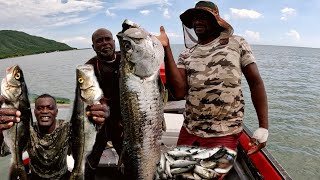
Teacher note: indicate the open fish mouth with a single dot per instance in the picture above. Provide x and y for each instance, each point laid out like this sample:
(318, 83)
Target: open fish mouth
(141, 99)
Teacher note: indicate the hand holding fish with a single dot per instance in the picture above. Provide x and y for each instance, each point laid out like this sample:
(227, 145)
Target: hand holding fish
(8, 116)
(98, 112)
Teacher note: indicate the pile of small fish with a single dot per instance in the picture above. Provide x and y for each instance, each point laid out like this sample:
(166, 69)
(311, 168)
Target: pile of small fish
(186, 162)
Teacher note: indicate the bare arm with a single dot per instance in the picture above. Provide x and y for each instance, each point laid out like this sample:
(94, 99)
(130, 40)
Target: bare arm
(176, 78)
(258, 93)
(259, 100)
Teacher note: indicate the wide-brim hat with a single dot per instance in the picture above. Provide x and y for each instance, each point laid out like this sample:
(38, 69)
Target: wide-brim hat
(206, 6)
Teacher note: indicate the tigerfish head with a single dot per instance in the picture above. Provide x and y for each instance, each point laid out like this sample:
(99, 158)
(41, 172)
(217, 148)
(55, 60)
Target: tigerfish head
(11, 84)
(88, 84)
(142, 53)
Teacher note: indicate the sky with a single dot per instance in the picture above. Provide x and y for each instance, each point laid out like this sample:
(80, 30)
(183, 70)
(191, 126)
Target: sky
(262, 22)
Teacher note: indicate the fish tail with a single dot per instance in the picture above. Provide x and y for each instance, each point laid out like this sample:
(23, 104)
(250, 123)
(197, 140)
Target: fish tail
(76, 176)
(18, 173)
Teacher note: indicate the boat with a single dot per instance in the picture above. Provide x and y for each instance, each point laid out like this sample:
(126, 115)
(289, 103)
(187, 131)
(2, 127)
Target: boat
(261, 165)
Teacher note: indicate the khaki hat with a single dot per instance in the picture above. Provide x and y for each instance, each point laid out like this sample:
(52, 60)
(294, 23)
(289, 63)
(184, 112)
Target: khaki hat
(206, 6)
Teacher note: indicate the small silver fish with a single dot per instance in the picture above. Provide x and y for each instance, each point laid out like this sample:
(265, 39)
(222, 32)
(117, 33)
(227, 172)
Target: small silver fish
(204, 172)
(182, 163)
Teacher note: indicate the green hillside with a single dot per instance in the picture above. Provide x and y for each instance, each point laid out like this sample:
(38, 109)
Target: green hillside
(16, 43)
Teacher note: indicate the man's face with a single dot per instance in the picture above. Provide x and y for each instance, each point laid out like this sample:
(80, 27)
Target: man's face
(45, 111)
(103, 43)
(204, 24)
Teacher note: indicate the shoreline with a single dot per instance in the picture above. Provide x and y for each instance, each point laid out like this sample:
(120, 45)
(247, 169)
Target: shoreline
(59, 106)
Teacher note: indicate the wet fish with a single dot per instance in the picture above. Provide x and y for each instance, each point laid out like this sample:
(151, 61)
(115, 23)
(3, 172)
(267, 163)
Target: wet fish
(83, 131)
(188, 162)
(141, 98)
(15, 91)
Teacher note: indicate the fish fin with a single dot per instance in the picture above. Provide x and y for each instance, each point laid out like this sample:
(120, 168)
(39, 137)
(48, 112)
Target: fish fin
(17, 173)
(164, 125)
(164, 95)
(164, 91)
(120, 159)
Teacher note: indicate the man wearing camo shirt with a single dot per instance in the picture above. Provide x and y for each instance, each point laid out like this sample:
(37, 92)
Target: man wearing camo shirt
(208, 75)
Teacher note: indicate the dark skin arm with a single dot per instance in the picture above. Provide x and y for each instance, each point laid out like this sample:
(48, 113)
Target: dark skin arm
(259, 100)
(176, 77)
(177, 82)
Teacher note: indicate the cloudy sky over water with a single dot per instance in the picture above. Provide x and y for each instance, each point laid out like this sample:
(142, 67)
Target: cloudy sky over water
(266, 22)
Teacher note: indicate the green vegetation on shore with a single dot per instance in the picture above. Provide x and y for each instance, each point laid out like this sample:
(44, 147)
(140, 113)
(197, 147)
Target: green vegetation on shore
(16, 43)
(59, 100)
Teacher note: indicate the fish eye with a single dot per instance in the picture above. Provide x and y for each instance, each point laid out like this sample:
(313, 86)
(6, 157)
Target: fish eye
(80, 80)
(127, 45)
(17, 76)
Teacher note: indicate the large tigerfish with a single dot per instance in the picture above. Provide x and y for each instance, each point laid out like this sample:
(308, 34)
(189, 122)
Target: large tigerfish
(83, 130)
(14, 90)
(141, 98)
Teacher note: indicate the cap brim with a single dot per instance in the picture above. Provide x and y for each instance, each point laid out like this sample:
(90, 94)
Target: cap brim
(188, 16)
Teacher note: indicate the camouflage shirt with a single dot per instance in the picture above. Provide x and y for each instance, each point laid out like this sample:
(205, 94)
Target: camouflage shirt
(214, 103)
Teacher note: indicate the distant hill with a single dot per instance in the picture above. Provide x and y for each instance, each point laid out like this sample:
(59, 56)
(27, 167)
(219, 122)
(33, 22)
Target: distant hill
(16, 43)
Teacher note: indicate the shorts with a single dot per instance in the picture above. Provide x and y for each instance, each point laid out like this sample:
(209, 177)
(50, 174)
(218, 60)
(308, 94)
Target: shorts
(187, 139)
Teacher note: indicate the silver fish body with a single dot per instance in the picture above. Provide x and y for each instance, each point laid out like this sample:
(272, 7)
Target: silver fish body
(141, 99)
(83, 131)
(14, 90)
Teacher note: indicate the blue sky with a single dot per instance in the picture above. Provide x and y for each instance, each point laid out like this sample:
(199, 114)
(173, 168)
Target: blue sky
(266, 22)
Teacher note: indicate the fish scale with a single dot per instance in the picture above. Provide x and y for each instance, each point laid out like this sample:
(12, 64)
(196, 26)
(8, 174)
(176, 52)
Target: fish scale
(141, 100)
(14, 89)
(83, 132)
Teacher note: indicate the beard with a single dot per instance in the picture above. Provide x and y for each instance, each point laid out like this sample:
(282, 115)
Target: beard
(105, 53)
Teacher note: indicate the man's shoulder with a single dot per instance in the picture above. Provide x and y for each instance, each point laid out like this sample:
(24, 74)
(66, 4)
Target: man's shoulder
(92, 60)
(237, 38)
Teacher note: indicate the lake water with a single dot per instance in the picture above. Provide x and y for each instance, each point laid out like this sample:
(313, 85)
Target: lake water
(291, 76)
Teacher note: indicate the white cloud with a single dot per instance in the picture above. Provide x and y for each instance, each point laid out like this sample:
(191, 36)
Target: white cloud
(16, 14)
(252, 36)
(166, 13)
(245, 13)
(136, 4)
(169, 34)
(227, 17)
(79, 41)
(140, 4)
(109, 13)
(145, 12)
(293, 34)
(287, 12)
